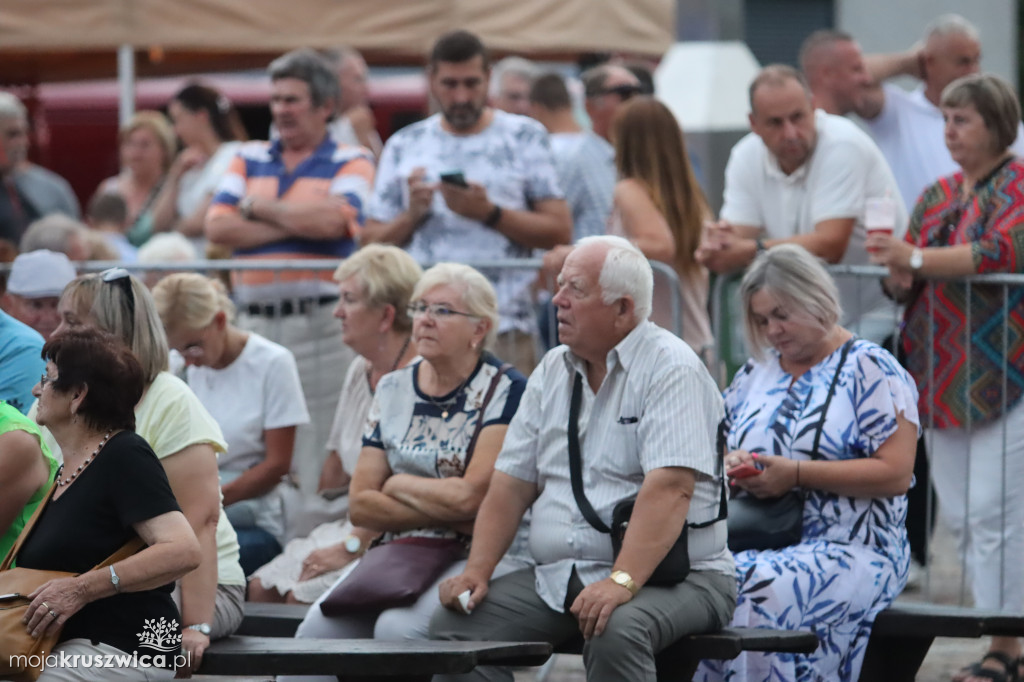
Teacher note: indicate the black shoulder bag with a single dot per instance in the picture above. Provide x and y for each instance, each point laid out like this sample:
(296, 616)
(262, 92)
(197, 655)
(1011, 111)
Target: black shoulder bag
(674, 568)
(776, 522)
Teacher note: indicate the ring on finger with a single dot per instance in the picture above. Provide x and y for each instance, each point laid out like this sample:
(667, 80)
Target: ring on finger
(54, 614)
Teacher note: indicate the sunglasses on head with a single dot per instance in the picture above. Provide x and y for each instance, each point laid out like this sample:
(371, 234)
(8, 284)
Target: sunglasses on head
(121, 278)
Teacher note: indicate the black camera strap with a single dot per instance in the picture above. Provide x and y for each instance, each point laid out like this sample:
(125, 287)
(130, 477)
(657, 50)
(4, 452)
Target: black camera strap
(576, 468)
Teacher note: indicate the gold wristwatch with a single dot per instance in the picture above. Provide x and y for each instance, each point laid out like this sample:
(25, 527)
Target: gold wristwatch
(626, 580)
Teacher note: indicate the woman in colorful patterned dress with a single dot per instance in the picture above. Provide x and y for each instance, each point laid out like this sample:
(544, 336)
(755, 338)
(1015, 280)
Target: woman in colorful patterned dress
(852, 559)
(967, 223)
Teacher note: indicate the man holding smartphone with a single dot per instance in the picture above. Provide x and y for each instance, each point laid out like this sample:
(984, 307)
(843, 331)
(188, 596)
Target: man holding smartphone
(472, 184)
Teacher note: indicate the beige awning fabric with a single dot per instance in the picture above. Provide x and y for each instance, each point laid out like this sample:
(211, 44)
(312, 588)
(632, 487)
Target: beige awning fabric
(45, 40)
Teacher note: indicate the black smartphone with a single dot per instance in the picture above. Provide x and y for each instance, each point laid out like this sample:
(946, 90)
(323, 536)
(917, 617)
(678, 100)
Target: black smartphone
(454, 178)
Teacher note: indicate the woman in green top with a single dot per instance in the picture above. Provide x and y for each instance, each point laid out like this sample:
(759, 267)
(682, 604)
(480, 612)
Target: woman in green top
(26, 471)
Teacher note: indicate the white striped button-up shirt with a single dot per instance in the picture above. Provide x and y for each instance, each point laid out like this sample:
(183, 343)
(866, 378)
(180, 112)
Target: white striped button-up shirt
(657, 407)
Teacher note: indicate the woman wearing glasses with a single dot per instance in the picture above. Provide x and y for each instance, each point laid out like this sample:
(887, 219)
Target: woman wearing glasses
(424, 468)
(251, 387)
(184, 437)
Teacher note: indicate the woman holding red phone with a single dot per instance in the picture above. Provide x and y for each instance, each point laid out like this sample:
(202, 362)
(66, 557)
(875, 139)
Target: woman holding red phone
(834, 417)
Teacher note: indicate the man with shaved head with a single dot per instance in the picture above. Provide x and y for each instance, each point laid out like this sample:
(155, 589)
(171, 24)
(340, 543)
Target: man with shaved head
(908, 126)
(834, 67)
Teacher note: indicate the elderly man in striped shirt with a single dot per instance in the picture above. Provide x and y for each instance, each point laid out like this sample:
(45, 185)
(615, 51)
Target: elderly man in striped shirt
(299, 197)
(647, 420)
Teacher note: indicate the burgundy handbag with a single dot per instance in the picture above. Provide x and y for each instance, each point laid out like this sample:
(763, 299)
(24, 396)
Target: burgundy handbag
(396, 573)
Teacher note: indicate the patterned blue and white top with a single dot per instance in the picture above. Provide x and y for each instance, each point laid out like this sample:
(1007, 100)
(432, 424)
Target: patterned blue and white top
(853, 558)
(511, 158)
(409, 427)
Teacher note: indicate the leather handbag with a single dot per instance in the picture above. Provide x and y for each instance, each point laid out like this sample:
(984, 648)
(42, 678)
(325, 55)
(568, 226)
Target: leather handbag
(672, 569)
(23, 656)
(396, 573)
(393, 575)
(776, 522)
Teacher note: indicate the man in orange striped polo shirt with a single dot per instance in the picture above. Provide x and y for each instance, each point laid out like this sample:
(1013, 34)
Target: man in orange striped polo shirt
(298, 197)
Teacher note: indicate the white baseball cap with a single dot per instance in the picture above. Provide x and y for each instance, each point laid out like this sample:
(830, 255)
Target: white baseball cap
(40, 274)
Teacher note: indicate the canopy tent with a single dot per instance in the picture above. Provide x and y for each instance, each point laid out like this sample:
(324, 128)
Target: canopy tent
(48, 40)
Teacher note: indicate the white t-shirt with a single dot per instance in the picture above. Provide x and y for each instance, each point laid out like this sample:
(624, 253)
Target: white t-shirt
(911, 134)
(844, 170)
(511, 158)
(350, 418)
(199, 183)
(260, 390)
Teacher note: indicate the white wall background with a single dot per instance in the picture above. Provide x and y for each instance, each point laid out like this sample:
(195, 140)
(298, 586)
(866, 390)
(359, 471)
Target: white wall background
(894, 25)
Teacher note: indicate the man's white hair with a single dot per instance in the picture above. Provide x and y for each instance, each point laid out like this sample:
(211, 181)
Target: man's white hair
(12, 107)
(625, 272)
(517, 66)
(951, 24)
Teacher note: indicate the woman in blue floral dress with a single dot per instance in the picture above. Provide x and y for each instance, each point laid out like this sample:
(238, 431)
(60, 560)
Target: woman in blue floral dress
(853, 557)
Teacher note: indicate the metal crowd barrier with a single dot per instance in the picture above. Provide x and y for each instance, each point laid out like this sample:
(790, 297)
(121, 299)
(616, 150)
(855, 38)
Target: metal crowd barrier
(314, 303)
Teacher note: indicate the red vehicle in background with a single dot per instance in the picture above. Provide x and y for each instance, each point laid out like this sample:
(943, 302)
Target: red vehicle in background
(74, 125)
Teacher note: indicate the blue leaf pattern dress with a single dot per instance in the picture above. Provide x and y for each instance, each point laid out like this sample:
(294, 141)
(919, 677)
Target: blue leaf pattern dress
(853, 558)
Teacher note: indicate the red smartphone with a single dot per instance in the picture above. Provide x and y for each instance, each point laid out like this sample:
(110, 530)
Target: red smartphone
(744, 471)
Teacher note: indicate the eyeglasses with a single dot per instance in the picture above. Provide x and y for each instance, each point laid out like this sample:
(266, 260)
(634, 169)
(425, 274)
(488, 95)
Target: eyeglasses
(625, 92)
(43, 380)
(435, 311)
(123, 279)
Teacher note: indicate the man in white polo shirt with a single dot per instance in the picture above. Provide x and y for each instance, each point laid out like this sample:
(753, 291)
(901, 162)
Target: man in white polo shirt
(804, 176)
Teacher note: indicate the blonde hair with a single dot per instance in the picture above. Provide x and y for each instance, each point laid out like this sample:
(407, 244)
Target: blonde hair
(156, 123)
(187, 300)
(131, 317)
(477, 292)
(799, 280)
(387, 275)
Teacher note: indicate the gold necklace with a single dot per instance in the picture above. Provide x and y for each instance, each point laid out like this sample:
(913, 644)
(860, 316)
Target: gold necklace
(444, 405)
(88, 459)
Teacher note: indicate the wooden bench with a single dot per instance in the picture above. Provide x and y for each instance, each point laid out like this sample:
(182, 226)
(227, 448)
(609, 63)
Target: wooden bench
(358, 659)
(679, 661)
(903, 633)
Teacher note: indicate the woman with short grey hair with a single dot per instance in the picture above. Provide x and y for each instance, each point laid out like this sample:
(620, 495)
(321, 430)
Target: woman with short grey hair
(430, 440)
(966, 371)
(829, 420)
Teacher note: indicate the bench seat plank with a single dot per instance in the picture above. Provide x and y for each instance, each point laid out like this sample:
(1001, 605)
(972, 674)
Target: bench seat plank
(271, 620)
(938, 620)
(265, 656)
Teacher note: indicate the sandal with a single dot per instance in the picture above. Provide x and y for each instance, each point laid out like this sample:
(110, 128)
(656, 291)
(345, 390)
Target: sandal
(1008, 674)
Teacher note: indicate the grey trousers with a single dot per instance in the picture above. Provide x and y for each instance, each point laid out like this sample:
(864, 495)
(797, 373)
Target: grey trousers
(636, 631)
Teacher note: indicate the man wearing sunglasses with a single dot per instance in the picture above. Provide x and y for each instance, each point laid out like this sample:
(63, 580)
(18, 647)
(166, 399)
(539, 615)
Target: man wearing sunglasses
(606, 88)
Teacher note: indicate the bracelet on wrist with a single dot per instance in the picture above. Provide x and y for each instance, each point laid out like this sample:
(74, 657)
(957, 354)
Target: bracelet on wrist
(494, 217)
